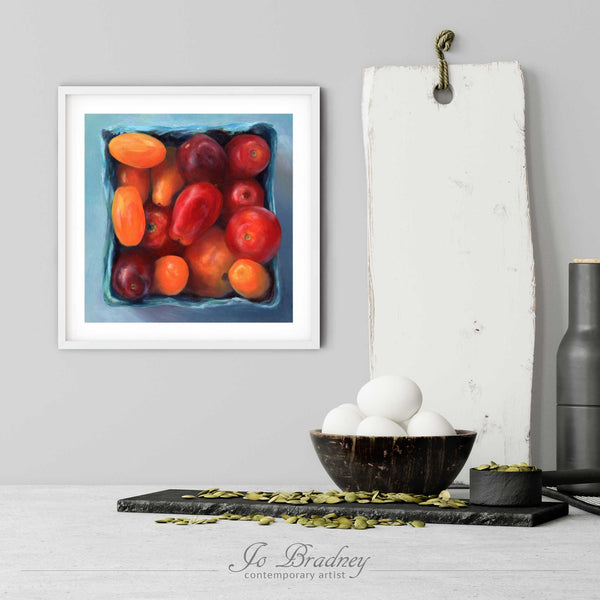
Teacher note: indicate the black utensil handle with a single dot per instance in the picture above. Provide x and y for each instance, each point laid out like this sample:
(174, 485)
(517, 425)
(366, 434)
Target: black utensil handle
(552, 478)
(574, 502)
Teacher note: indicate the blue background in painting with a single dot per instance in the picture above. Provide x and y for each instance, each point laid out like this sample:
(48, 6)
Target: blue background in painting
(97, 225)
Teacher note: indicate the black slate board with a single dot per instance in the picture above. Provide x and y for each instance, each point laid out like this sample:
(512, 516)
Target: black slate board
(171, 502)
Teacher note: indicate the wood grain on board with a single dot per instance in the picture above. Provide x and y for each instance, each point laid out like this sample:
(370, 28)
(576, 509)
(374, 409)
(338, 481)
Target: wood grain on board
(451, 271)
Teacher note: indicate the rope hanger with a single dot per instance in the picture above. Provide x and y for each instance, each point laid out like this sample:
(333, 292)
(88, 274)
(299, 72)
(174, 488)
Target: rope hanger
(442, 44)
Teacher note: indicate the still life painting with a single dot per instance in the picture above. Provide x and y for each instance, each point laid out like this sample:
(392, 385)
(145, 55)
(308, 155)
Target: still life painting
(193, 221)
(189, 220)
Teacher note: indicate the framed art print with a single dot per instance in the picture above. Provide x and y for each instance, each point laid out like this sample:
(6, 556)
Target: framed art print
(188, 217)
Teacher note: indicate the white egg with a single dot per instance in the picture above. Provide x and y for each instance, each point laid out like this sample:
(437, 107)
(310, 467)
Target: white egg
(342, 420)
(379, 426)
(428, 422)
(390, 396)
(353, 407)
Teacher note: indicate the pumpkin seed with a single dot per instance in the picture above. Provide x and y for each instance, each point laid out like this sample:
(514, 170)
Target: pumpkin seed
(416, 523)
(252, 496)
(188, 497)
(512, 468)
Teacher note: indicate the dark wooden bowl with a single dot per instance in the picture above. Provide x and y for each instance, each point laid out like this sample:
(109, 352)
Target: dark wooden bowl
(417, 465)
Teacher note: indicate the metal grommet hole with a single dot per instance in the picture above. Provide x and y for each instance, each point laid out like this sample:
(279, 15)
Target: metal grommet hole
(443, 96)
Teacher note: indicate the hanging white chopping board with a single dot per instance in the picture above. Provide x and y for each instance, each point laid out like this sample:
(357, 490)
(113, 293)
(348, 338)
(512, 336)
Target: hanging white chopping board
(451, 274)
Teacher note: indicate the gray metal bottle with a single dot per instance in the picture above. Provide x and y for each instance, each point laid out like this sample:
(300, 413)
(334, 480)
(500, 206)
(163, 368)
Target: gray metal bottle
(578, 378)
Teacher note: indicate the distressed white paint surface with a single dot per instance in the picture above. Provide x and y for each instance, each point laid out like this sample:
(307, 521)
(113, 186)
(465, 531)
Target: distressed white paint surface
(452, 289)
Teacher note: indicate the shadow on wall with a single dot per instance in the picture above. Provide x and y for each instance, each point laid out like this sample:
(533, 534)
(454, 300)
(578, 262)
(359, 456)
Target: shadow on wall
(547, 272)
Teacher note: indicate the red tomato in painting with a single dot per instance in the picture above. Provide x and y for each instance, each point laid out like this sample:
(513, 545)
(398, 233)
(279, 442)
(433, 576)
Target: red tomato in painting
(248, 155)
(240, 193)
(132, 274)
(196, 209)
(201, 159)
(156, 236)
(253, 233)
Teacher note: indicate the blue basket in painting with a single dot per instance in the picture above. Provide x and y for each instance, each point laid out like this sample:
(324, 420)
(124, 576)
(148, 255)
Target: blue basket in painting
(175, 137)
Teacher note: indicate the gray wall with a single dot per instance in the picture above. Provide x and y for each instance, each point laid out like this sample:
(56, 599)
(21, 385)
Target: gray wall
(210, 417)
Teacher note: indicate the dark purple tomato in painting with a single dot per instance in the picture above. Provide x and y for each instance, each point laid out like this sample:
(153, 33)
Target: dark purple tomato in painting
(202, 159)
(132, 274)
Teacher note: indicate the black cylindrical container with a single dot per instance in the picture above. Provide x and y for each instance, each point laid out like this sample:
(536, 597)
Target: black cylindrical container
(578, 378)
(502, 488)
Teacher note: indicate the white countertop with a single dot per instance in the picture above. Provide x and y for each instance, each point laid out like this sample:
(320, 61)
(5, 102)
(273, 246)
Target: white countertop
(59, 542)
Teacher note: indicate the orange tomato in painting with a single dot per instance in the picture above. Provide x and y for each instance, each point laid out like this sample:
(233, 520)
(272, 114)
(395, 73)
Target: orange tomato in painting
(128, 216)
(249, 279)
(138, 178)
(137, 150)
(166, 179)
(170, 275)
(209, 260)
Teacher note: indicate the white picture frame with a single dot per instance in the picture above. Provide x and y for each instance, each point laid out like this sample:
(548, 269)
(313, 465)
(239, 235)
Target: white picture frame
(75, 329)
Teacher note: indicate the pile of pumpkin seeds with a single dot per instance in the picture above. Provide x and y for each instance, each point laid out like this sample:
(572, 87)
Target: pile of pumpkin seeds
(187, 520)
(443, 500)
(329, 521)
(333, 521)
(493, 466)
